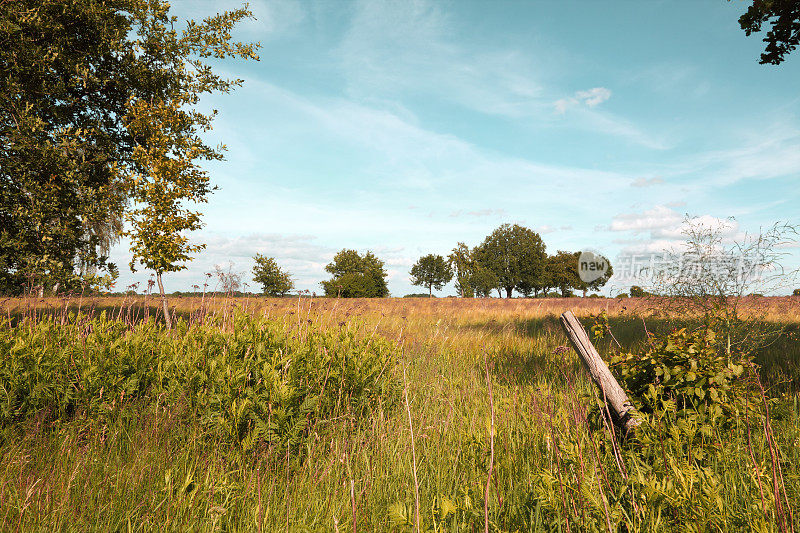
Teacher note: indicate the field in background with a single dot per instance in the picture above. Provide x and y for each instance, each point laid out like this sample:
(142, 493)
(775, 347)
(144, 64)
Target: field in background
(156, 470)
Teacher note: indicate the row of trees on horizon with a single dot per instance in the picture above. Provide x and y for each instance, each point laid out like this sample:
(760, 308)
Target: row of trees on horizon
(511, 259)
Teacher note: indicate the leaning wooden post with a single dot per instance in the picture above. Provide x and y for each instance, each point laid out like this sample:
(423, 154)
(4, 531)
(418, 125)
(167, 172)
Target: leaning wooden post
(613, 394)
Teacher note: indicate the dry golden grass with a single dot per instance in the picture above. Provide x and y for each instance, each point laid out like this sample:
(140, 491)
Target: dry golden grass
(785, 309)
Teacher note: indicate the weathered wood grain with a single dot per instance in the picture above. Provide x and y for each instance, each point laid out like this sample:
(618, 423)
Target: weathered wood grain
(621, 408)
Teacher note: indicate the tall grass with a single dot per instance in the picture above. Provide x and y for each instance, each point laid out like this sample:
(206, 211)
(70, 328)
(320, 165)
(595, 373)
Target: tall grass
(159, 459)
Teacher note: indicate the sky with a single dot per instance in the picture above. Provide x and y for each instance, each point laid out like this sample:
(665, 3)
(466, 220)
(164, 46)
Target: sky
(406, 127)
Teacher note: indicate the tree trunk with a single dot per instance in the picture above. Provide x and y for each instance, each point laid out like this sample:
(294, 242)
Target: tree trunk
(430, 291)
(615, 398)
(164, 300)
(508, 292)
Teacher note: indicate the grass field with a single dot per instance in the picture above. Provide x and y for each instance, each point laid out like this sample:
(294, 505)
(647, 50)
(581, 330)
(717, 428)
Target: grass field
(477, 414)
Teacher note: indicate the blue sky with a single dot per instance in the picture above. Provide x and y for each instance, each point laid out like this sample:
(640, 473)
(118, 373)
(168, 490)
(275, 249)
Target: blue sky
(406, 127)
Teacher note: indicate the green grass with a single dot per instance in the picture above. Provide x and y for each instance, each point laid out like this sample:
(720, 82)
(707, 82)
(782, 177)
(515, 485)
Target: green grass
(153, 461)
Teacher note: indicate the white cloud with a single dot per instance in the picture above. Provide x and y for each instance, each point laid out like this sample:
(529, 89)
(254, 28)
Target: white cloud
(594, 96)
(666, 229)
(657, 218)
(479, 213)
(646, 182)
(590, 98)
(393, 49)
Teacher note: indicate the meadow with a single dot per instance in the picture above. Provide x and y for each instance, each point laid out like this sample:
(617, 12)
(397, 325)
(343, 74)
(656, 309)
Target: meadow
(303, 414)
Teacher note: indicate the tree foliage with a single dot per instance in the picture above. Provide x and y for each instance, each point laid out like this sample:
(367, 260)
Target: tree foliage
(562, 272)
(96, 114)
(431, 271)
(274, 281)
(356, 276)
(472, 277)
(66, 79)
(461, 263)
(784, 34)
(166, 129)
(515, 255)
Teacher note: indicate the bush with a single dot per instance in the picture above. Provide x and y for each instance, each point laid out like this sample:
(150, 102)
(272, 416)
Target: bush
(796, 292)
(638, 292)
(682, 465)
(256, 382)
(687, 373)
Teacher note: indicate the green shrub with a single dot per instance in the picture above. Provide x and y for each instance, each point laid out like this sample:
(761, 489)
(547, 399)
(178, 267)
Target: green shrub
(681, 469)
(686, 371)
(254, 382)
(638, 292)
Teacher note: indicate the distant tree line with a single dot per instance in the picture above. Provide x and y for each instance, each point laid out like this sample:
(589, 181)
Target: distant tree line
(511, 258)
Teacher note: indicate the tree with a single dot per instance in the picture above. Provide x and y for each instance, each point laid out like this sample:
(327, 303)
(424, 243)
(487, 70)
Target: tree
(472, 278)
(462, 265)
(562, 271)
(68, 73)
(484, 281)
(274, 280)
(356, 276)
(431, 271)
(784, 36)
(166, 131)
(84, 87)
(516, 255)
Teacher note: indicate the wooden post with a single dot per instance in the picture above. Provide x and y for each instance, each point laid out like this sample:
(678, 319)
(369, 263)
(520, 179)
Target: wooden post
(621, 408)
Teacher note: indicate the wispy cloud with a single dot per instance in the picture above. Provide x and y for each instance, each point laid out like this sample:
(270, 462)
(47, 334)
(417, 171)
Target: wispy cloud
(479, 213)
(590, 98)
(646, 182)
(394, 50)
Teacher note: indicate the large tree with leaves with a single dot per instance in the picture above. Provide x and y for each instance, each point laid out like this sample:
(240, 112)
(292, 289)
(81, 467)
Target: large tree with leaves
(431, 271)
(595, 284)
(273, 279)
(516, 255)
(82, 83)
(472, 277)
(356, 276)
(784, 34)
(562, 272)
(67, 74)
